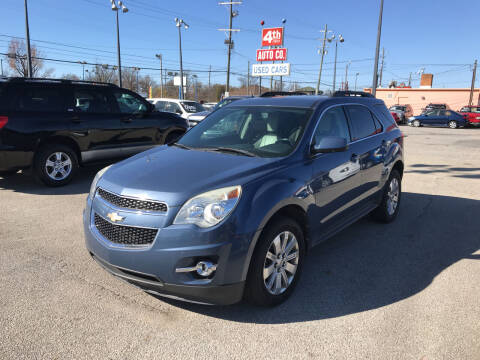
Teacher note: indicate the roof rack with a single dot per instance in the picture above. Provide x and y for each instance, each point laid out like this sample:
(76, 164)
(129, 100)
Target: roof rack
(352, 93)
(283, 93)
(63, 81)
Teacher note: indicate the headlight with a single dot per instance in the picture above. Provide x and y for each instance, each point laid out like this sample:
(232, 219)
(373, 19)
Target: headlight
(208, 209)
(97, 177)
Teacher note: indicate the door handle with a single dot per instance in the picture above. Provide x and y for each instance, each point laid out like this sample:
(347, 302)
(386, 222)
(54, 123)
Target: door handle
(354, 158)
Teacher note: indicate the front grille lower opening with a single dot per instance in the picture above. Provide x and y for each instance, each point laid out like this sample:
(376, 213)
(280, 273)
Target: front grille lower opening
(122, 234)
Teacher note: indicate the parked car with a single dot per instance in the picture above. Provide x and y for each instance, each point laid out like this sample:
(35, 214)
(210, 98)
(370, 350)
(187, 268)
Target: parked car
(472, 114)
(55, 126)
(403, 111)
(255, 185)
(209, 106)
(437, 117)
(436, 107)
(194, 119)
(395, 116)
(184, 108)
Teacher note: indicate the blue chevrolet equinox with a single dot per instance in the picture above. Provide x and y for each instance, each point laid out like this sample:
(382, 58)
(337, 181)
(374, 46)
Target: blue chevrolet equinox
(232, 208)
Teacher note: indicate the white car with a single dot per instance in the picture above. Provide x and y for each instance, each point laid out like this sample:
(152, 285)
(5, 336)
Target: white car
(184, 108)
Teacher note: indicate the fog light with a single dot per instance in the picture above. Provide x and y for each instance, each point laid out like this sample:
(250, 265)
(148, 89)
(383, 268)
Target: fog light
(203, 268)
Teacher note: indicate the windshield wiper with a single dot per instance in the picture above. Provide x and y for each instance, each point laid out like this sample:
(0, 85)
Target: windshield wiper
(180, 146)
(232, 150)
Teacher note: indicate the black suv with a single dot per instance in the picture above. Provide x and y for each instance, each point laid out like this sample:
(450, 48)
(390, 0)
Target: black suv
(54, 126)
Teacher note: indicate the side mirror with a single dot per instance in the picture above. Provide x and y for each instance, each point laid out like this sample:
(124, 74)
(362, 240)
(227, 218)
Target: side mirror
(329, 144)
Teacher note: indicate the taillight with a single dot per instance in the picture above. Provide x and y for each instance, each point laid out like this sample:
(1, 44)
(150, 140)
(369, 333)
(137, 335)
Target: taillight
(3, 121)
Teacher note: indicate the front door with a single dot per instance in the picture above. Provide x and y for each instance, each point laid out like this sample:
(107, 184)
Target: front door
(94, 124)
(336, 176)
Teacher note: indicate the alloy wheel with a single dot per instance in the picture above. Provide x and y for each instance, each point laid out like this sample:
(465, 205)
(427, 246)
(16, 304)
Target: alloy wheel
(416, 123)
(392, 196)
(281, 263)
(452, 124)
(58, 166)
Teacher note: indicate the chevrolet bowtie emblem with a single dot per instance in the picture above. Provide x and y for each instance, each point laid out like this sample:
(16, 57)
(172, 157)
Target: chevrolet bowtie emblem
(114, 217)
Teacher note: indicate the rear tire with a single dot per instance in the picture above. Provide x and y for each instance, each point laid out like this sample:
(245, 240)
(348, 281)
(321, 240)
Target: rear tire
(55, 165)
(276, 263)
(388, 209)
(452, 124)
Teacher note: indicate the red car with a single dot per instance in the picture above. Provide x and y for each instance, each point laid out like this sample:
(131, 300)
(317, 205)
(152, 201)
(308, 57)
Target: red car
(395, 116)
(472, 114)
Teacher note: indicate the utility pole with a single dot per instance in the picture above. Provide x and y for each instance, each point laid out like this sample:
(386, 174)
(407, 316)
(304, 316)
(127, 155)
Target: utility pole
(29, 52)
(229, 42)
(248, 78)
(410, 80)
(377, 50)
(356, 78)
(1, 65)
(209, 74)
(474, 74)
(346, 76)
(321, 61)
(159, 56)
(381, 66)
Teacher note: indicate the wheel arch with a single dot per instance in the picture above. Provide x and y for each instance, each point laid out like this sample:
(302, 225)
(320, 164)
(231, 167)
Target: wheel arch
(399, 166)
(63, 140)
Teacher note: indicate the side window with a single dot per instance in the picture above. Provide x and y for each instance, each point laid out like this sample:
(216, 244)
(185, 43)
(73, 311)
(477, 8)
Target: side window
(160, 105)
(173, 107)
(128, 103)
(332, 123)
(3, 98)
(39, 100)
(90, 101)
(385, 115)
(361, 122)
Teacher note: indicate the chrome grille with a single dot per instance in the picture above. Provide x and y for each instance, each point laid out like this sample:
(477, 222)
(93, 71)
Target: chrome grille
(130, 203)
(123, 234)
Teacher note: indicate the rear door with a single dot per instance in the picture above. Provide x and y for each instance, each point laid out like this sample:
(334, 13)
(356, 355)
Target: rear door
(367, 148)
(94, 123)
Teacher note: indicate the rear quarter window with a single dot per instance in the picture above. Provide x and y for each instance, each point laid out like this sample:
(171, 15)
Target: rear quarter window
(39, 99)
(3, 98)
(384, 115)
(362, 123)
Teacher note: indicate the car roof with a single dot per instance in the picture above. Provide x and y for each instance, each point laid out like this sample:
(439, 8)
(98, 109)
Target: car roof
(305, 101)
(169, 99)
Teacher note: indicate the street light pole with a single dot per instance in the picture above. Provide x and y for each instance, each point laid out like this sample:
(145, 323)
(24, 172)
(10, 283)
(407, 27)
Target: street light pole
(159, 56)
(29, 53)
(116, 7)
(178, 23)
(356, 78)
(341, 39)
(377, 51)
(83, 68)
(346, 76)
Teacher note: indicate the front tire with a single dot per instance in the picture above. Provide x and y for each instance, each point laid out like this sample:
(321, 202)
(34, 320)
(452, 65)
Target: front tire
(276, 263)
(416, 123)
(56, 165)
(452, 124)
(388, 209)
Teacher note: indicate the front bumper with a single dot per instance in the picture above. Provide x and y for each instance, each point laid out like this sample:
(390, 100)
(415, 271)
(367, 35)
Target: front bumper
(153, 267)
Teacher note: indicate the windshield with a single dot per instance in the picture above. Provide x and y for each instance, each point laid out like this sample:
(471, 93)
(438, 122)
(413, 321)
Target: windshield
(192, 106)
(400, 108)
(259, 130)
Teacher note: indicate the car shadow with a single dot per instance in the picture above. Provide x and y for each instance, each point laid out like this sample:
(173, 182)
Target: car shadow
(460, 172)
(371, 265)
(25, 183)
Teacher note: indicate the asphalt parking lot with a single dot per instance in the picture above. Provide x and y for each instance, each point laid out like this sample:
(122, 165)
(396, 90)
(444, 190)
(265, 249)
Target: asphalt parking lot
(408, 290)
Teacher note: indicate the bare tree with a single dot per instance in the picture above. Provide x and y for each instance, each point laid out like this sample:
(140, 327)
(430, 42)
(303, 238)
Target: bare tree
(145, 82)
(102, 73)
(70, 77)
(129, 78)
(17, 60)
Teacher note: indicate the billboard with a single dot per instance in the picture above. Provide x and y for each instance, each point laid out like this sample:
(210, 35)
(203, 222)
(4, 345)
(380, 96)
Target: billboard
(272, 36)
(271, 69)
(277, 54)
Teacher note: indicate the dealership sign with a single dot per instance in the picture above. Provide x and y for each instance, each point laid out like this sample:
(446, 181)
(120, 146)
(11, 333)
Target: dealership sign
(277, 54)
(271, 69)
(272, 36)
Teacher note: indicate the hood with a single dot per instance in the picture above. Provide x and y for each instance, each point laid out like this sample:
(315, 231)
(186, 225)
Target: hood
(174, 175)
(199, 115)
